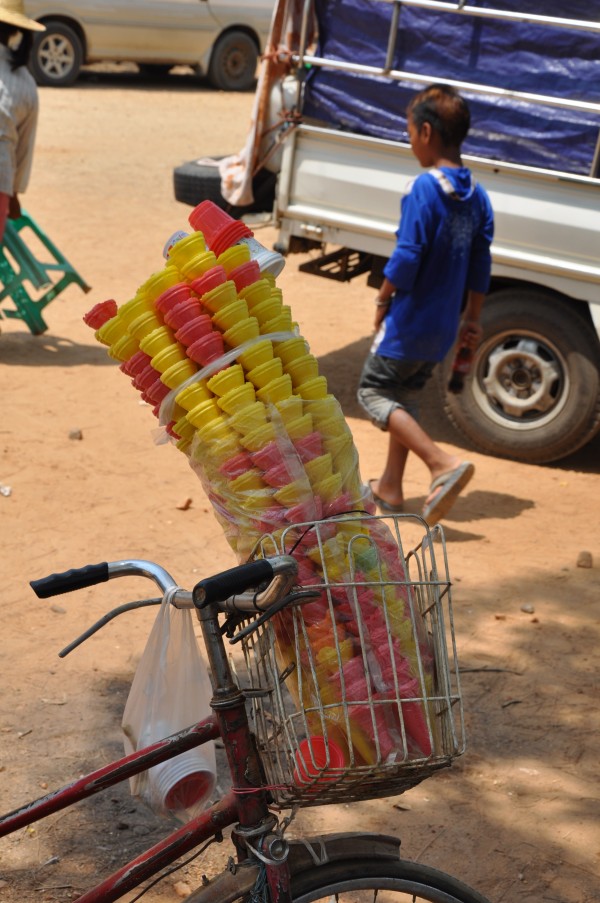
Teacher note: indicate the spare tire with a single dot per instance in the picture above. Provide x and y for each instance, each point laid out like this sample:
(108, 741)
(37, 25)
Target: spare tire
(195, 182)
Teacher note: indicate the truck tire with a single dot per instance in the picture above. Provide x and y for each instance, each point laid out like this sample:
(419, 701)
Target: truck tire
(533, 393)
(194, 182)
(57, 55)
(233, 62)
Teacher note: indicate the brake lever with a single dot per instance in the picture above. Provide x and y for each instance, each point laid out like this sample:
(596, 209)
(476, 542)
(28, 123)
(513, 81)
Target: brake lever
(128, 606)
(273, 610)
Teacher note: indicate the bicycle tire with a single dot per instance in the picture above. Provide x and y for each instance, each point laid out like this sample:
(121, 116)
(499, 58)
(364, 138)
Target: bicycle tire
(387, 880)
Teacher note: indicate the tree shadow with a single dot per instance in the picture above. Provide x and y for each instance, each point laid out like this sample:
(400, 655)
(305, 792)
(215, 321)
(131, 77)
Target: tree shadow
(23, 349)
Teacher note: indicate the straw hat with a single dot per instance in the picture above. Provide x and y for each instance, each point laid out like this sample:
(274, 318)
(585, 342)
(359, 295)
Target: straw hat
(12, 12)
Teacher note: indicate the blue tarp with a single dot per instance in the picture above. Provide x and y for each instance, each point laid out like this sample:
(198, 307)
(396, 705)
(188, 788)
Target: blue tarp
(516, 56)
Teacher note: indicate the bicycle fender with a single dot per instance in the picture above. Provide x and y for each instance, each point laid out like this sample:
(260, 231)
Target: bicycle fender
(308, 852)
(230, 885)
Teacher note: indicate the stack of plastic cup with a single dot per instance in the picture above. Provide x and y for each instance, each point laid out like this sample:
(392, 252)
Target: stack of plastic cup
(220, 230)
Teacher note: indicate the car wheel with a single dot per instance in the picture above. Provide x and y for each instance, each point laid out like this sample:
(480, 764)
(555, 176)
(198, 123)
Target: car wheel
(233, 62)
(57, 55)
(533, 393)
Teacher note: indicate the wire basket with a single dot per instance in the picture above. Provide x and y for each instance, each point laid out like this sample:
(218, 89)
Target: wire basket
(354, 694)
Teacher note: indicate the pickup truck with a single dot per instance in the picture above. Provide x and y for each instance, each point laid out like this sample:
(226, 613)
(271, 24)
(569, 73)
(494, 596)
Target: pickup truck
(336, 163)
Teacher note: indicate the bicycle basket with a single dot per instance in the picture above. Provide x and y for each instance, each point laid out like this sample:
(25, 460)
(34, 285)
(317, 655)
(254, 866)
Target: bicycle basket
(355, 692)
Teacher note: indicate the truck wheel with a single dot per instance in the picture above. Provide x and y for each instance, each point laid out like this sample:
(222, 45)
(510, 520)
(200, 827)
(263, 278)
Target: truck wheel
(533, 393)
(233, 62)
(57, 55)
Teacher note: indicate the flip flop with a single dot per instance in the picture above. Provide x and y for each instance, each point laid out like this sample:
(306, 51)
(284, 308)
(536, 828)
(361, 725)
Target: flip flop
(449, 485)
(382, 504)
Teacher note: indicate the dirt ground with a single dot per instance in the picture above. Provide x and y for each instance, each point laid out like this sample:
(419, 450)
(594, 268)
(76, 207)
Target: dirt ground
(517, 815)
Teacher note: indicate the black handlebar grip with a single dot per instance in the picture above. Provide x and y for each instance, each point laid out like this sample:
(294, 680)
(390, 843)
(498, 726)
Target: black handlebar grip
(68, 581)
(230, 583)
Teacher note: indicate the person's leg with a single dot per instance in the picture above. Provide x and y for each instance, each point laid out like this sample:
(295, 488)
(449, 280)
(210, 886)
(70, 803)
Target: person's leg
(389, 485)
(406, 433)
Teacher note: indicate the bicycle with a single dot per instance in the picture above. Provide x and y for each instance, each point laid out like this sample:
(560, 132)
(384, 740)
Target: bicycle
(268, 714)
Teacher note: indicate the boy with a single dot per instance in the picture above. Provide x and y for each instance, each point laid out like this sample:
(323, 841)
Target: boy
(443, 250)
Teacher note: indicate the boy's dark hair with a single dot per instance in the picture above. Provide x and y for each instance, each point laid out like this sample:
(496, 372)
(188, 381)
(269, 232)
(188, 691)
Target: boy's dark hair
(19, 56)
(445, 110)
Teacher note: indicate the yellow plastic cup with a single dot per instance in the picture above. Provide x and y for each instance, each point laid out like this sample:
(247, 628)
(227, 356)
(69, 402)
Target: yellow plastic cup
(227, 379)
(332, 427)
(276, 390)
(242, 331)
(251, 480)
(184, 445)
(124, 348)
(192, 395)
(301, 427)
(186, 249)
(267, 309)
(258, 438)
(256, 292)
(301, 369)
(162, 280)
(291, 349)
(237, 398)
(276, 292)
(319, 468)
(257, 501)
(228, 316)
(324, 408)
(233, 257)
(111, 331)
(281, 323)
(256, 354)
(290, 408)
(329, 488)
(249, 418)
(346, 460)
(170, 355)
(157, 340)
(215, 430)
(313, 388)
(292, 494)
(203, 413)
(140, 304)
(178, 373)
(198, 265)
(143, 325)
(264, 373)
(184, 429)
(129, 311)
(220, 296)
(337, 444)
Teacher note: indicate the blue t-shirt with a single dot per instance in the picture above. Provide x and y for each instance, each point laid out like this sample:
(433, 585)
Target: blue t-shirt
(446, 228)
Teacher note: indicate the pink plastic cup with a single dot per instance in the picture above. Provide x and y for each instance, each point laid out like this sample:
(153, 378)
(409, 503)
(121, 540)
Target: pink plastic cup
(271, 518)
(194, 330)
(305, 511)
(206, 349)
(209, 219)
(211, 279)
(277, 476)
(172, 296)
(236, 466)
(317, 764)
(339, 505)
(309, 447)
(183, 312)
(145, 378)
(245, 274)
(267, 457)
(101, 313)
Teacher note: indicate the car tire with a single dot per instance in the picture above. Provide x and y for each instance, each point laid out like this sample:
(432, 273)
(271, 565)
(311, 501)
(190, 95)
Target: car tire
(233, 62)
(57, 55)
(533, 393)
(196, 182)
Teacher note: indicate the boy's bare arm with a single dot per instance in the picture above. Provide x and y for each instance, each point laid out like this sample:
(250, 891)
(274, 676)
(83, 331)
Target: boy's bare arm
(470, 331)
(382, 301)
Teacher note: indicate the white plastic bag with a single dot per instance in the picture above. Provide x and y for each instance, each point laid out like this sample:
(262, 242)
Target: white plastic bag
(171, 691)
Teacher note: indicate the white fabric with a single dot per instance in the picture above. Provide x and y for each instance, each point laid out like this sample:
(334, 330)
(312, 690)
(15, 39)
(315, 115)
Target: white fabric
(18, 123)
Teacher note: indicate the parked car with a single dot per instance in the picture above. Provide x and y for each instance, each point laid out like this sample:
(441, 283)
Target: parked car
(220, 38)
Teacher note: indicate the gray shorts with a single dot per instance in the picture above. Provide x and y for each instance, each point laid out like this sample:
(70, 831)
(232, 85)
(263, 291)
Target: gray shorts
(386, 384)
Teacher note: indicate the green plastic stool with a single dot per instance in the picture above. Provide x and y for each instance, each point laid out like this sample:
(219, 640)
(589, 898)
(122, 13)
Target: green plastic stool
(19, 265)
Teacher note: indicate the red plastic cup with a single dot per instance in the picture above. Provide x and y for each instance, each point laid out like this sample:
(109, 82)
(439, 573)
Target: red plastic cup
(277, 476)
(145, 378)
(229, 236)
(211, 279)
(272, 518)
(206, 349)
(267, 457)
(340, 505)
(172, 296)
(189, 791)
(194, 329)
(315, 764)
(305, 511)
(182, 313)
(245, 274)
(157, 391)
(101, 313)
(209, 219)
(136, 362)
